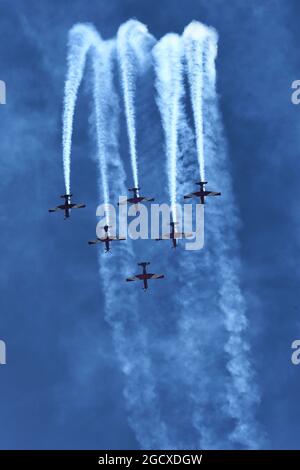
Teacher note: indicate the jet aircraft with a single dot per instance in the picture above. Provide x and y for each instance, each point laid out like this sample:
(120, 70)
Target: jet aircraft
(144, 276)
(67, 206)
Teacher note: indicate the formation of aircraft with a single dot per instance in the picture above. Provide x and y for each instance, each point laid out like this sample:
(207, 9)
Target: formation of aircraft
(136, 199)
(144, 276)
(67, 206)
(202, 193)
(174, 236)
(106, 239)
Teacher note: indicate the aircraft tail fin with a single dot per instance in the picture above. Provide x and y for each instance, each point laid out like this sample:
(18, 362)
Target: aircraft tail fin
(134, 189)
(201, 183)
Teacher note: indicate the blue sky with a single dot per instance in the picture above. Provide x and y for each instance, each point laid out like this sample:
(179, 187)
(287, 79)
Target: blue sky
(62, 386)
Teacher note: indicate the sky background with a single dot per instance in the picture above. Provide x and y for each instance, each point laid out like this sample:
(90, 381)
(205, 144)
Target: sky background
(62, 386)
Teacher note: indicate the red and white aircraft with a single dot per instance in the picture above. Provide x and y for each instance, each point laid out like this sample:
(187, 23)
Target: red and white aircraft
(174, 236)
(136, 199)
(202, 193)
(67, 206)
(144, 276)
(106, 239)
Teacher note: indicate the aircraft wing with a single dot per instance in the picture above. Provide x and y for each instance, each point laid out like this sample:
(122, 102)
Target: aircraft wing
(133, 278)
(157, 276)
(182, 235)
(78, 206)
(116, 238)
(166, 236)
(189, 196)
(213, 193)
(55, 209)
(93, 242)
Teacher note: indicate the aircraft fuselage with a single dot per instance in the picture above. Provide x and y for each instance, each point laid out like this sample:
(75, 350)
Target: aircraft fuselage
(66, 208)
(136, 200)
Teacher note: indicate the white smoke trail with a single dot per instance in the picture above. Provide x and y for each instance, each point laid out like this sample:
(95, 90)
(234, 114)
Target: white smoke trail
(81, 37)
(200, 329)
(242, 395)
(210, 395)
(132, 39)
(101, 89)
(220, 386)
(194, 36)
(169, 84)
(194, 329)
(121, 303)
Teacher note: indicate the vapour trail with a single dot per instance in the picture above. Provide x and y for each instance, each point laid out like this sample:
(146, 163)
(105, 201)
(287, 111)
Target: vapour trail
(221, 386)
(101, 90)
(169, 84)
(191, 352)
(242, 394)
(200, 365)
(194, 36)
(121, 304)
(130, 38)
(81, 37)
